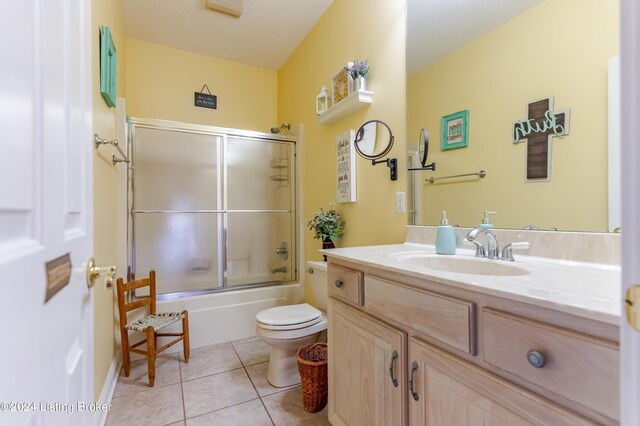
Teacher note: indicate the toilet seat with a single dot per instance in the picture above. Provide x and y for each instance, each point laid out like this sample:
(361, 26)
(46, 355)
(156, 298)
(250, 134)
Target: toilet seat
(267, 333)
(290, 317)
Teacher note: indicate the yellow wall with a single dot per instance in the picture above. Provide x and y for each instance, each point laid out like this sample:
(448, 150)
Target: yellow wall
(105, 190)
(350, 29)
(559, 48)
(161, 82)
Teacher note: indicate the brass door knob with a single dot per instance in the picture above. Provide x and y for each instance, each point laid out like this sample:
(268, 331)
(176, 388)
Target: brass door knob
(94, 272)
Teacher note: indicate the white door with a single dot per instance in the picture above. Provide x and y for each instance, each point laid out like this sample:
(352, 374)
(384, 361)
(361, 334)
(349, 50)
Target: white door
(630, 83)
(46, 355)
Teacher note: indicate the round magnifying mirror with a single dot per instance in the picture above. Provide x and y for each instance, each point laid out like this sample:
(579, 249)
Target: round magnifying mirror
(374, 139)
(423, 146)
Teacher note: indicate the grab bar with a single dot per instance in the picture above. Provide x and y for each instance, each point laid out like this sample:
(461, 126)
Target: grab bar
(101, 141)
(481, 174)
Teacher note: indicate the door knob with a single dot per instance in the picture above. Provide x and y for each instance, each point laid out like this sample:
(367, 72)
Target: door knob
(94, 272)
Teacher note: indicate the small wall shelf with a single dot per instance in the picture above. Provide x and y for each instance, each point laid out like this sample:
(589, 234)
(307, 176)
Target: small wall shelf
(351, 103)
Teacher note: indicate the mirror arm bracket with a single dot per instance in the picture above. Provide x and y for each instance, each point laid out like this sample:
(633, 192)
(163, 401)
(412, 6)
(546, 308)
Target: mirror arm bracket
(431, 166)
(392, 163)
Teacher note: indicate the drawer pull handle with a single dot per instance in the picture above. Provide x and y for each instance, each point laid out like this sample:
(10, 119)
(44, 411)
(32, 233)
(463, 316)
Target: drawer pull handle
(394, 356)
(536, 359)
(414, 367)
(338, 283)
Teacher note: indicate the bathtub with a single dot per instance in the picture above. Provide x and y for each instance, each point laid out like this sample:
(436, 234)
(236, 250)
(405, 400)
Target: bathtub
(226, 316)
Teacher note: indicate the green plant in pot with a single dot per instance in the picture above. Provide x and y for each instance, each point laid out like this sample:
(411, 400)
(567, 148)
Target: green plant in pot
(328, 227)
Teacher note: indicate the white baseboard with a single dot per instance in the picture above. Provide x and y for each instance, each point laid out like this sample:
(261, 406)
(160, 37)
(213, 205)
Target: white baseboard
(108, 389)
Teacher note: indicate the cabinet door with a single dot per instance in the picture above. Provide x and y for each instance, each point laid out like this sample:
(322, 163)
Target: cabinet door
(362, 367)
(451, 391)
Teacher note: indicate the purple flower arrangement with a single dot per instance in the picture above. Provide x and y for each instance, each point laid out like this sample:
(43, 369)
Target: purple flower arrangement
(358, 68)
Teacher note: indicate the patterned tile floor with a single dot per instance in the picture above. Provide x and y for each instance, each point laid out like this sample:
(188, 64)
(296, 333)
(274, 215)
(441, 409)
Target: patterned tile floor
(222, 384)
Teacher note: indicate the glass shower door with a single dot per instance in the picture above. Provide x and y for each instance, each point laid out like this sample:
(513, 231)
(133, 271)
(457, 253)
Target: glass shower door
(260, 218)
(176, 209)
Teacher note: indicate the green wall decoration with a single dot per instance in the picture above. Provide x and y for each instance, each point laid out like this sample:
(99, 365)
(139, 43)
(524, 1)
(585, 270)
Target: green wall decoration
(455, 130)
(107, 66)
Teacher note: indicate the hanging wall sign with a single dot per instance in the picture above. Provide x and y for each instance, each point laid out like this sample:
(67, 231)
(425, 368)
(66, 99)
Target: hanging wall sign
(538, 130)
(205, 100)
(346, 167)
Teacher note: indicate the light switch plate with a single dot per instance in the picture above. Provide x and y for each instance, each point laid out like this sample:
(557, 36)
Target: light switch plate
(401, 205)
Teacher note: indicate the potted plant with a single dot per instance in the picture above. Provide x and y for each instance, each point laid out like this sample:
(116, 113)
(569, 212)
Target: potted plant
(358, 70)
(328, 227)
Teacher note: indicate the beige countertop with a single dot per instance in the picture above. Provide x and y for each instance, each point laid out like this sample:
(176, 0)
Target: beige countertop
(584, 289)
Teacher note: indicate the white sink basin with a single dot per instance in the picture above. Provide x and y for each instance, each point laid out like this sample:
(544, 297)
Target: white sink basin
(460, 265)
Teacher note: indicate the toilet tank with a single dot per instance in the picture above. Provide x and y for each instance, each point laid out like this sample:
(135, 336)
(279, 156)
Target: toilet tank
(317, 285)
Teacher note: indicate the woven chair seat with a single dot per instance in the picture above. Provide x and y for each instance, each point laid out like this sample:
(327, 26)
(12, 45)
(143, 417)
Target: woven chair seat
(156, 321)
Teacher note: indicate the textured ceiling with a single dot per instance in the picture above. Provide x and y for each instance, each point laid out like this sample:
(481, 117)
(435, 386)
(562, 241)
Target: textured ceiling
(264, 36)
(438, 27)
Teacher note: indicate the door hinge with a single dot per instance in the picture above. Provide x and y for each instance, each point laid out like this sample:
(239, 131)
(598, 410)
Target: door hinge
(632, 303)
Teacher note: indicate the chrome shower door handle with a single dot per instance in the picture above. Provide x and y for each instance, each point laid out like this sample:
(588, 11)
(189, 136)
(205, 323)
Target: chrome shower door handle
(283, 251)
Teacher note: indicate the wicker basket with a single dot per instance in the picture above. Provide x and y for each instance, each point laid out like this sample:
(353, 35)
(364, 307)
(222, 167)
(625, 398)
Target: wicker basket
(312, 363)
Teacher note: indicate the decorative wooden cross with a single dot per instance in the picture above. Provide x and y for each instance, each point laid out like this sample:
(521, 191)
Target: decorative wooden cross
(541, 126)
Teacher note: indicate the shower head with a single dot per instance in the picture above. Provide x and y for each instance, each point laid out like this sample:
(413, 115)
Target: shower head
(276, 130)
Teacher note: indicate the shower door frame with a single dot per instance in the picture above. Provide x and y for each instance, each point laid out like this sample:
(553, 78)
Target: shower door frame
(221, 200)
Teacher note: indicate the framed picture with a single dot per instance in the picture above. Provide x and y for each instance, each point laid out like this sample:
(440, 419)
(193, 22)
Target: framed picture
(107, 67)
(455, 130)
(341, 87)
(346, 167)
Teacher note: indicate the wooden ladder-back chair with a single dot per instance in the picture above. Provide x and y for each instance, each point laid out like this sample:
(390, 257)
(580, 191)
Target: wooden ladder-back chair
(150, 325)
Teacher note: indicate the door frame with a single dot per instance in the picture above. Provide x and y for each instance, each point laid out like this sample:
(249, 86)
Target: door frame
(630, 190)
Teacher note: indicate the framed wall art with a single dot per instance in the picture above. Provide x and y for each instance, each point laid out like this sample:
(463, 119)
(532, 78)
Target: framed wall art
(341, 87)
(346, 167)
(107, 66)
(455, 130)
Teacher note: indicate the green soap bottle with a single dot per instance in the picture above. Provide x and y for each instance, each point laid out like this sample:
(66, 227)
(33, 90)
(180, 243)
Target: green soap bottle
(445, 237)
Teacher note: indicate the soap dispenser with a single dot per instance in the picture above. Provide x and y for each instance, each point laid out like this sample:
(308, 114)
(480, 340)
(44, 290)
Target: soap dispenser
(445, 237)
(486, 221)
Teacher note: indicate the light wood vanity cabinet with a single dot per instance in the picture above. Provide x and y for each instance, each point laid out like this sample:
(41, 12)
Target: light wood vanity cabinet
(452, 391)
(462, 357)
(346, 284)
(366, 379)
(576, 366)
(449, 320)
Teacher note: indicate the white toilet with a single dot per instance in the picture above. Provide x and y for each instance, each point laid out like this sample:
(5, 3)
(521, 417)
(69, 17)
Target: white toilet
(287, 328)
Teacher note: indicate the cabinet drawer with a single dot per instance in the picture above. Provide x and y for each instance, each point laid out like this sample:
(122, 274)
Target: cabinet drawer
(448, 320)
(580, 368)
(345, 284)
(455, 392)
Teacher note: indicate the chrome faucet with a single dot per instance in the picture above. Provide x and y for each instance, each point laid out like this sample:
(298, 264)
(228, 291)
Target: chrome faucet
(507, 251)
(492, 242)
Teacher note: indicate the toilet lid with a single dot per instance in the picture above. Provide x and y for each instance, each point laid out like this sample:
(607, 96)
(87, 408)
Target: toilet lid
(289, 315)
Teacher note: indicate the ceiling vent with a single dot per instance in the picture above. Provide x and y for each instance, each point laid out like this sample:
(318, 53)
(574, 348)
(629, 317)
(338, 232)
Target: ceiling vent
(229, 7)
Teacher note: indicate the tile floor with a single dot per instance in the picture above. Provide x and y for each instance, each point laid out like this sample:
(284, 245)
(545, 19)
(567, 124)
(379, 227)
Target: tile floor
(222, 384)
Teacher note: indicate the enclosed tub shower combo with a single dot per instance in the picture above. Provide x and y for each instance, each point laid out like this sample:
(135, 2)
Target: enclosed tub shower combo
(213, 210)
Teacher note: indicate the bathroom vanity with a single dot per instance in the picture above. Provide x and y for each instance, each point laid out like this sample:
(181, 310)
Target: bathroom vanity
(414, 341)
